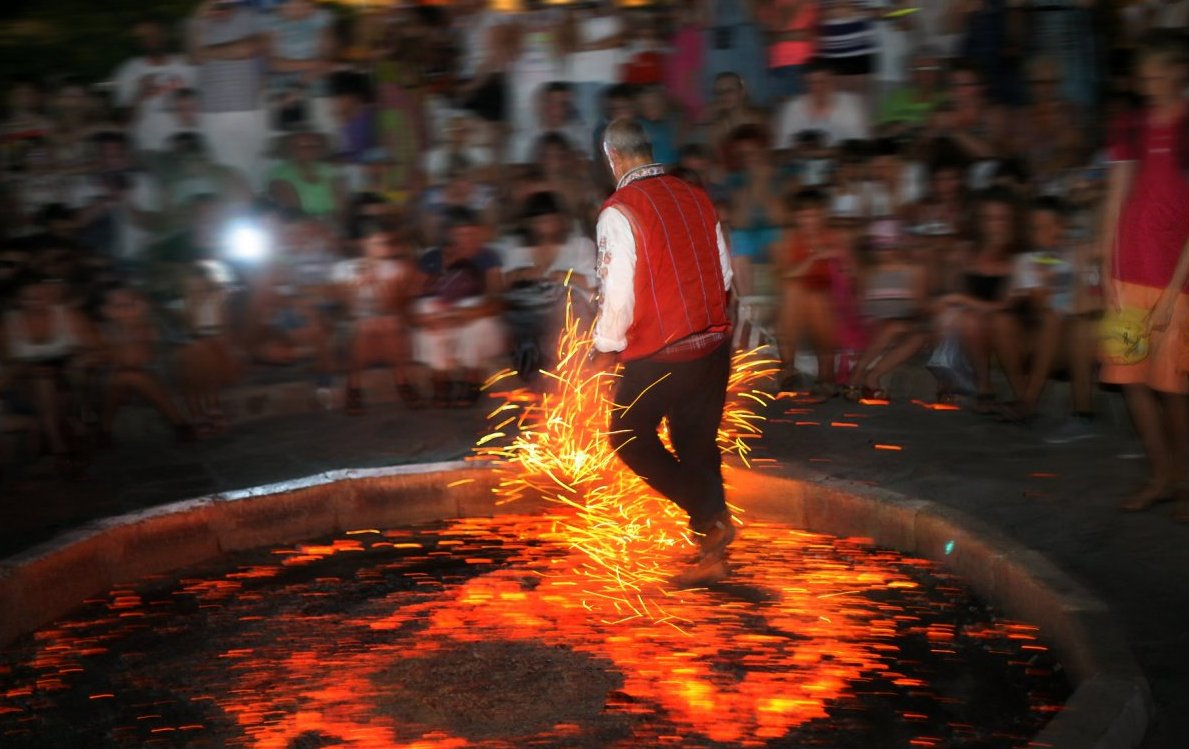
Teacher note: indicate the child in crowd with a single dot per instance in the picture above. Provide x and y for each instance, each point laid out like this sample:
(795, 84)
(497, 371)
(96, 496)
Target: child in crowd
(895, 183)
(809, 255)
(206, 360)
(129, 338)
(376, 289)
(45, 343)
(813, 161)
(551, 267)
(849, 188)
(1045, 285)
(459, 331)
(895, 291)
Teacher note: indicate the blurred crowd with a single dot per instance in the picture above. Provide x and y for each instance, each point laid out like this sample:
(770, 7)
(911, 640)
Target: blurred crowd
(276, 185)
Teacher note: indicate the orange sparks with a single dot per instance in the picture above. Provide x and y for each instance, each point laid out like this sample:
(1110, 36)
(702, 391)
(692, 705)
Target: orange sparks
(558, 451)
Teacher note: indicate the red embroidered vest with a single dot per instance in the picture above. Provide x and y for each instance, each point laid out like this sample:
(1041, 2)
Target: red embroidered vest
(678, 281)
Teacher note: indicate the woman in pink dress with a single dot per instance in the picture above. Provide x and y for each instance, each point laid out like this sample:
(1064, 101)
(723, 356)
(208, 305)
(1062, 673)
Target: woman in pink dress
(1146, 262)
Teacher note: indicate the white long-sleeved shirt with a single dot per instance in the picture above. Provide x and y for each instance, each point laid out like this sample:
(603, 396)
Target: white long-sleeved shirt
(617, 272)
(846, 120)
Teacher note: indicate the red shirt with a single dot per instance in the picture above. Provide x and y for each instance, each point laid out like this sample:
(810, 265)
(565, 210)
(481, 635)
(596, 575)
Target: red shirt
(1154, 221)
(819, 275)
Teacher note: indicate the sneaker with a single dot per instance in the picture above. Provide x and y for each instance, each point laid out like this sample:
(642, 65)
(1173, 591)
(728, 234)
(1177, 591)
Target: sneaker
(1073, 430)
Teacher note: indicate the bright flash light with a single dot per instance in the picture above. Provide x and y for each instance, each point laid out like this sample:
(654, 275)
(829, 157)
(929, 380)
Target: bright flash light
(247, 243)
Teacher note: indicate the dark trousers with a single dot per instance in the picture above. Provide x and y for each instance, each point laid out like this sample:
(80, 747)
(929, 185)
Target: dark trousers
(691, 395)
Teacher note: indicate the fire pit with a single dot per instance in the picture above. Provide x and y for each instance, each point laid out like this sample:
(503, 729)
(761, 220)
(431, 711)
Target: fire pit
(486, 632)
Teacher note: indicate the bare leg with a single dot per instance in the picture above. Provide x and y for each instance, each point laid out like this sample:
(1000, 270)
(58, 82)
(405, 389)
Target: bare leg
(151, 389)
(790, 324)
(1044, 356)
(744, 280)
(1176, 415)
(904, 350)
(973, 329)
(885, 335)
(1007, 339)
(823, 328)
(1144, 406)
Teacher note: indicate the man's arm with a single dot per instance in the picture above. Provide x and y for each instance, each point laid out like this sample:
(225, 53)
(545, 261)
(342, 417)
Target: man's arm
(617, 271)
(724, 258)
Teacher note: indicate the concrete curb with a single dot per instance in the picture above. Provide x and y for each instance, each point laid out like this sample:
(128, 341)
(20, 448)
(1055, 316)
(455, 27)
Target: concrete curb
(1110, 707)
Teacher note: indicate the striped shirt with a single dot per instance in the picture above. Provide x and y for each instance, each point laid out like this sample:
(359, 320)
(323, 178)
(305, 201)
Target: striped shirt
(846, 37)
(229, 85)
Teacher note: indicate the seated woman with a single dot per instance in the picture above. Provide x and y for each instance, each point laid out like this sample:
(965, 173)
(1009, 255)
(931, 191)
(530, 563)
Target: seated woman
(129, 339)
(44, 342)
(459, 330)
(375, 289)
(306, 181)
(551, 262)
(975, 311)
(894, 301)
(811, 254)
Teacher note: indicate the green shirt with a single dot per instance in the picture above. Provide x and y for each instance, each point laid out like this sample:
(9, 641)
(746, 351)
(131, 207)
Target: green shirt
(316, 198)
(904, 106)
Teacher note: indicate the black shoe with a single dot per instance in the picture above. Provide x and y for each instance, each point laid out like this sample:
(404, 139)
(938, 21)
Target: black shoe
(713, 542)
(707, 571)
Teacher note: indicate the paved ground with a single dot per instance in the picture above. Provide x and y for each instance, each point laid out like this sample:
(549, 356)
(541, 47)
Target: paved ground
(1057, 500)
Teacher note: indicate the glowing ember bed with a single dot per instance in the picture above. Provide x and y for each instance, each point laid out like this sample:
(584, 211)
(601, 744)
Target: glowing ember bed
(486, 632)
(537, 612)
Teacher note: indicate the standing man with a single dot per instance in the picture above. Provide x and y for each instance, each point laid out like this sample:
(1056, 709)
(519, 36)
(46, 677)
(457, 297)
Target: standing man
(665, 272)
(226, 43)
(147, 85)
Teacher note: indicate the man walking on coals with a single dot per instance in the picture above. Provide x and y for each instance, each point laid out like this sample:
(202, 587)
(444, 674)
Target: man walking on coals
(665, 274)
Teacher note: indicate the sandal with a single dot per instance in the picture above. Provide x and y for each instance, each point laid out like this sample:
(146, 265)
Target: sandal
(820, 393)
(854, 393)
(789, 384)
(1146, 498)
(876, 394)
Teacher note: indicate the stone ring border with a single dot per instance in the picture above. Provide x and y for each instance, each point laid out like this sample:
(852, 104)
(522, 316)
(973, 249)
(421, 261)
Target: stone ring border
(1109, 708)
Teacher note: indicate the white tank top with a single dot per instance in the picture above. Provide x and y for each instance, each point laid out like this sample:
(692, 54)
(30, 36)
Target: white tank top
(61, 343)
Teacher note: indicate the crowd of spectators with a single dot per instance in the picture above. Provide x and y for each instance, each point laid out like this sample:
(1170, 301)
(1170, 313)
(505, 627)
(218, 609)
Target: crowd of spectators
(270, 184)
